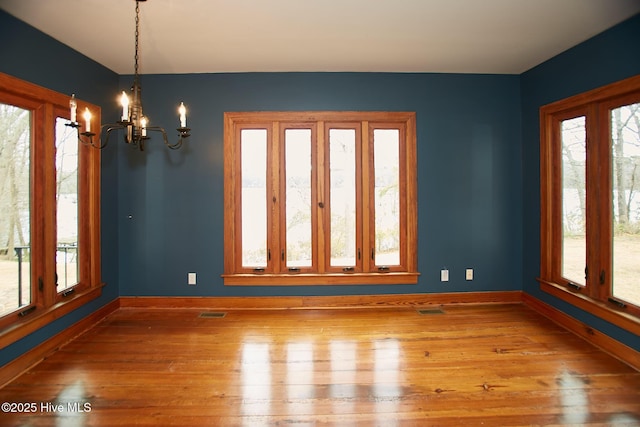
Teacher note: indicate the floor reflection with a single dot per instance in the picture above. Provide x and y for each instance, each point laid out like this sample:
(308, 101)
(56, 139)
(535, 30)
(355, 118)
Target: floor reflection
(300, 378)
(301, 374)
(256, 379)
(573, 398)
(342, 356)
(386, 387)
(343, 390)
(72, 406)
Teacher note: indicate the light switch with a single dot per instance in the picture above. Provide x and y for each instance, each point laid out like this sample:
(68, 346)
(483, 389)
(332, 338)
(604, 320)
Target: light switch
(191, 278)
(469, 274)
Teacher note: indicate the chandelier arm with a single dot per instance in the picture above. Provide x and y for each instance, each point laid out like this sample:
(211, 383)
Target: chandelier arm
(88, 135)
(97, 145)
(166, 139)
(109, 127)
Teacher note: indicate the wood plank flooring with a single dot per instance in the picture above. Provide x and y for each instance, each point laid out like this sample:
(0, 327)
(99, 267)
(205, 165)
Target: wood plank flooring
(490, 365)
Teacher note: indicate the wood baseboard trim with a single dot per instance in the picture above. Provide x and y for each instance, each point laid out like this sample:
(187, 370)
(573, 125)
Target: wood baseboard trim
(323, 302)
(607, 344)
(22, 363)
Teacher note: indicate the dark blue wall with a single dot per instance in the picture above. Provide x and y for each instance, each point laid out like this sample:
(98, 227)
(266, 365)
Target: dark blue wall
(32, 56)
(606, 58)
(469, 172)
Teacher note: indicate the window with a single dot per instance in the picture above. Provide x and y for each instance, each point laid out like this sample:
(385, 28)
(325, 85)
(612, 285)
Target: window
(49, 197)
(590, 201)
(320, 198)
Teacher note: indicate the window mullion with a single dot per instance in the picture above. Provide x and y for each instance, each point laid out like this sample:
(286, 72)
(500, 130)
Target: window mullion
(402, 183)
(326, 202)
(315, 210)
(233, 245)
(89, 215)
(276, 211)
(36, 208)
(367, 209)
(599, 231)
(47, 204)
(554, 250)
(321, 237)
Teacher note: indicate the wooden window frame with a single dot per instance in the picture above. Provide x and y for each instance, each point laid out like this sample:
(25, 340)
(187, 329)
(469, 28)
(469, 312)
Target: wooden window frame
(595, 297)
(320, 121)
(47, 304)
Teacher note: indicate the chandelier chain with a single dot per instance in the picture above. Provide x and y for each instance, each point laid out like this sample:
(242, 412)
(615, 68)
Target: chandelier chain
(137, 34)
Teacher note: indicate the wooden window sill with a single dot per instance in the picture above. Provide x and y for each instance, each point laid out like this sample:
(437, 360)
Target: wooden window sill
(266, 279)
(41, 317)
(600, 309)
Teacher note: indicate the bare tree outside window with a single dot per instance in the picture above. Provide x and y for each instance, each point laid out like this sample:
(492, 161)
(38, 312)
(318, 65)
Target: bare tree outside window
(298, 198)
(625, 158)
(66, 205)
(342, 162)
(15, 144)
(387, 196)
(574, 160)
(625, 146)
(254, 196)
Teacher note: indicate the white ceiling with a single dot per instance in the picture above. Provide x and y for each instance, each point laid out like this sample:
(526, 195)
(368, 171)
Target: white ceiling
(202, 36)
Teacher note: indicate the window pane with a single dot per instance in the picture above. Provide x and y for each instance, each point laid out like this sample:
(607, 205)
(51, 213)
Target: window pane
(298, 197)
(342, 161)
(574, 156)
(253, 146)
(15, 238)
(66, 205)
(386, 158)
(625, 138)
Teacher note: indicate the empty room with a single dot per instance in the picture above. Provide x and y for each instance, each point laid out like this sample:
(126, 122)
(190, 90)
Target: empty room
(338, 213)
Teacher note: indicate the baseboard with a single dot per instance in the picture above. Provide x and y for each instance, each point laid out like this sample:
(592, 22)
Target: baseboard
(607, 344)
(323, 302)
(22, 363)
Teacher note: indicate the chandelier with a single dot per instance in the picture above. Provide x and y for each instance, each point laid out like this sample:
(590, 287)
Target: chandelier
(132, 121)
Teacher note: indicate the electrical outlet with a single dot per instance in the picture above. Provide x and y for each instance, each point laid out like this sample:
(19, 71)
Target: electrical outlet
(469, 274)
(191, 278)
(444, 275)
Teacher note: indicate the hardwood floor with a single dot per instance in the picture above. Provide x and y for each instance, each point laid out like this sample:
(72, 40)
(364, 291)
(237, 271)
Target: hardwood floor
(470, 365)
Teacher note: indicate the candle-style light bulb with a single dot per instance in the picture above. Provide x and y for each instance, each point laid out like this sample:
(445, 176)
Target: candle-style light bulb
(124, 101)
(143, 126)
(87, 120)
(183, 115)
(73, 106)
